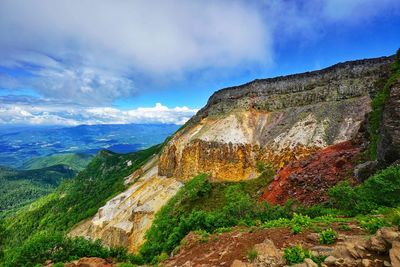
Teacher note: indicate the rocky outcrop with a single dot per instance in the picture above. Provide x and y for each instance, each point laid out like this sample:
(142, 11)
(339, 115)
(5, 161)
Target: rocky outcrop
(273, 120)
(308, 179)
(389, 145)
(124, 219)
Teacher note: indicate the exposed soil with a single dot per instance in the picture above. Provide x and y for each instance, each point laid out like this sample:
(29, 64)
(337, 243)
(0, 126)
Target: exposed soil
(223, 249)
(308, 179)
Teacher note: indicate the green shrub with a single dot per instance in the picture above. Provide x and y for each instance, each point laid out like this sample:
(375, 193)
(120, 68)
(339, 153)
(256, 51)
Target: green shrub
(56, 247)
(296, 229)
(296, 254)
(126, 264)
(252, 254)
(380, 190)
(345, 227)
(328, 236)
(372, 224)
(58, 264)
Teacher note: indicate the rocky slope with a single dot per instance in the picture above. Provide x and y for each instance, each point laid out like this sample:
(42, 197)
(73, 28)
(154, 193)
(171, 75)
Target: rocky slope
(274, 121)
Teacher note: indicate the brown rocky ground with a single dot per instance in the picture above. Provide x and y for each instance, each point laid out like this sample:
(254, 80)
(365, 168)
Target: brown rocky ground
(353, 248)
(309, 178)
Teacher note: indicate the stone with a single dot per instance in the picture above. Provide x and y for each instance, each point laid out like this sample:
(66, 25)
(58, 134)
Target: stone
(89, 262)
(389, 234)
(394, 254)
(313, 237)
(387, 264)
(330, 260)
(364, 170)
(268, 253)
(238, 263)
(366, 262)
(378, 244)
(310, 263)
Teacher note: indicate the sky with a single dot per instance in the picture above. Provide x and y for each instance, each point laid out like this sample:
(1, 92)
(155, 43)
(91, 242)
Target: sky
(71, 62)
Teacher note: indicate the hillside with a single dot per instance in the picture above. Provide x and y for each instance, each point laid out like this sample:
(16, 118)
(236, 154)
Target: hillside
(19, 187)
(304, 165)
(75, 161)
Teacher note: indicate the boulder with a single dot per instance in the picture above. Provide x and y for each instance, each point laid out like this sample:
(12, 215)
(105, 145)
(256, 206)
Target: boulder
(364, 170)
(89, 262)
(268, 254)
(394, 254)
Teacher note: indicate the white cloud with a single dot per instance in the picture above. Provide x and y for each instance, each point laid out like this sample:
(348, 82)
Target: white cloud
(87, 47)
(59, 115)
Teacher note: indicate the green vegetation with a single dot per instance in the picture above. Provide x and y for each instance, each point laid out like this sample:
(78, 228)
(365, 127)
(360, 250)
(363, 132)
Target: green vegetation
(328, 236)
(297, 254)
(18, 188)
(75, 200)
(202, 205)
(75, 161)
(380, 190)
(252, 254)
(56, 247)
(377, 107)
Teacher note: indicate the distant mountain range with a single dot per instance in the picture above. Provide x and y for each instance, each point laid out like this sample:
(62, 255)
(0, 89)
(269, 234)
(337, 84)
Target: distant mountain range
(20, 146)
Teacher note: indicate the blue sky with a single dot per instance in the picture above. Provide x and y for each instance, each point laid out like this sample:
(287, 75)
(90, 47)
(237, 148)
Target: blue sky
(72, 62)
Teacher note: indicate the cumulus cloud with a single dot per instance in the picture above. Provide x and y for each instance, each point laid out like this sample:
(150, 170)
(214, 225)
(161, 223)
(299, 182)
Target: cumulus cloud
(75, 49)
(20, 110)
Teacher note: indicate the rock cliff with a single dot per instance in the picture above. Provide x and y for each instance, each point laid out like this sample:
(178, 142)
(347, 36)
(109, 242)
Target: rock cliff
(274, 121)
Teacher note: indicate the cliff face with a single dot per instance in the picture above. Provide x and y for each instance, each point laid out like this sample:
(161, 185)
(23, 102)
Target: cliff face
(124, 219)
(274, 121)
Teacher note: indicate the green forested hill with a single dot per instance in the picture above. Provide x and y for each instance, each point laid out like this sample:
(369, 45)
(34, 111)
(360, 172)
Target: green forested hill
(75, 199)
(76, 161)
(18, 188)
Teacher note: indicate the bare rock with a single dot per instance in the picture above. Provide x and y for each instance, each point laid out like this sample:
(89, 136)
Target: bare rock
(89, 262)
(314, 237)
(394, 254)
(238, 263)
(364, 170)
(267, 253)
(389, 234)
(378, 244)
(366, 262)
(310, 263)
(330, 260)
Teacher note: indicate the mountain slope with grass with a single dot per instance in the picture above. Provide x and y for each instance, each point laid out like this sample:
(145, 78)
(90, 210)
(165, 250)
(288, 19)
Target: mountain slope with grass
(19, 187)
(75, 161)
(297, 166)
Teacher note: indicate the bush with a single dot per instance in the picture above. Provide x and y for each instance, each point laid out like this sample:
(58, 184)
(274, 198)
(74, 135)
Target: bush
(252, 254)
(372, 224)
(328, 236)
(380, 190)
(296, 254)
(57, 248)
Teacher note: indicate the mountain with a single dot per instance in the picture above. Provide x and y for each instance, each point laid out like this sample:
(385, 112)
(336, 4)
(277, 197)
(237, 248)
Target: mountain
(19, 187)
(75, 161)
(264, 167)
(270, 122)
(20, 144)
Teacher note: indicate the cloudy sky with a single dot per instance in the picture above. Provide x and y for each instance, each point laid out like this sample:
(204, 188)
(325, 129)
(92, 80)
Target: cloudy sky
(70, 62)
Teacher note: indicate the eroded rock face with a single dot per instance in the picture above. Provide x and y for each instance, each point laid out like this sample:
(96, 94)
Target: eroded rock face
(389, 146)
(273, 120)
(308, 179)
(124, 220)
